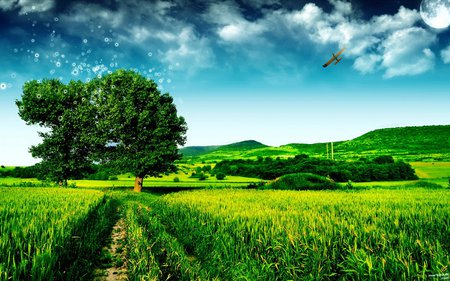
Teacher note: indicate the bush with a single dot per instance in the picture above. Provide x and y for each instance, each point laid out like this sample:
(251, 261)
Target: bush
(220, 176)
(427, 184)
(176, 179)
(303, 181)
(113, 178)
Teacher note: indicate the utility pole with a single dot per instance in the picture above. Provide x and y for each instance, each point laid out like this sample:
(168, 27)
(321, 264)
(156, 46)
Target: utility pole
(332, 151)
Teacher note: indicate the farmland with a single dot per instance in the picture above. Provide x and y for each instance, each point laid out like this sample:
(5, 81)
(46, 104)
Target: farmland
(42, 227)
(220, 231)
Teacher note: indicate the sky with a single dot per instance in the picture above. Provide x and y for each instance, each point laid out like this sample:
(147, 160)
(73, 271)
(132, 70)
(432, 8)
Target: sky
(237, 69)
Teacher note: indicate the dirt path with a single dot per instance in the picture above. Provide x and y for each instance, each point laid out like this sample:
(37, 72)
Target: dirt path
(113, 258)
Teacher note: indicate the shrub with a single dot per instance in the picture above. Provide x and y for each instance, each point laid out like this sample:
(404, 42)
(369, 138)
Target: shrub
(176, 179)
(220, 176)
(113, 178)
(427, 184)
(303, 181)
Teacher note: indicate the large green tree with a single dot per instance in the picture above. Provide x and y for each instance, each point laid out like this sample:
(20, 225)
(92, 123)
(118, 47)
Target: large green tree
(138, 124)
(63, 110)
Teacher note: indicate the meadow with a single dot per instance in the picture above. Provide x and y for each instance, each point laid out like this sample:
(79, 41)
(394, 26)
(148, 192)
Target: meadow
(218, 231)
(49, 233)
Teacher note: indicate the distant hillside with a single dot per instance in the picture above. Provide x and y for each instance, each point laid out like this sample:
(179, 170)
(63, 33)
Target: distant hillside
(409, 143)
(193, 151)
(243, 146)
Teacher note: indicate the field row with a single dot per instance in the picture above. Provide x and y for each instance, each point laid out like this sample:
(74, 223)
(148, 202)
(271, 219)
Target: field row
(49, 233)
(288, 235)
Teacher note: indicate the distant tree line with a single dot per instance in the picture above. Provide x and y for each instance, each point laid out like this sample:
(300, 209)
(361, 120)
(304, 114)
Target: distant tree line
(382, 168)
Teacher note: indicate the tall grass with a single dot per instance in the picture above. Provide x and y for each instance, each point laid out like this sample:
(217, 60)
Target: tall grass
(306, 235)
(48, 233)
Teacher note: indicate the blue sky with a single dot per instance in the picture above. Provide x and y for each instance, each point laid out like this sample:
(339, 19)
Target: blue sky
(238, 70)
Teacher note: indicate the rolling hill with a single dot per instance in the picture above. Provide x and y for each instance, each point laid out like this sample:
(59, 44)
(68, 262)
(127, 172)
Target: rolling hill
(424, 143)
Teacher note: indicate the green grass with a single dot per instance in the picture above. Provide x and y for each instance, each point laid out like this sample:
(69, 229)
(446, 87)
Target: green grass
(425, 143)
(313, 235)
(430, 170)
(168, 181)
(51, 233)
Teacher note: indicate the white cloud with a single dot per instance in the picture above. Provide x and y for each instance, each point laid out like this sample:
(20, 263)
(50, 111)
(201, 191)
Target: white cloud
(191, 54)
(404, 18)
(367, 63)
(406, 52)
(445, 55)
(232, 26)
(27, 6)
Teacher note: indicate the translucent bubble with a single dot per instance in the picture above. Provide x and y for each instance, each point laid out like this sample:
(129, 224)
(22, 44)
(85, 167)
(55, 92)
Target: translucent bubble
(63, 56)
(22, 108)
(106, 39)
(36, 55)
(88, 79)
(38, 96)
(113, 86)
(56, 19)
(13, 75)
(83, 99)
(99, 76)
(60, 118)
(2, 86)
(85, 41)
(58, 64)
(65, 91)
(36, 60)
(75, 72)
(52, 71)
(75, 102)
(56, 54)
(89, 51)
(161, 80)
(80, 67)
(33, 40)
(116, 44)
(169, 81)
(150, 54)
(39, 81)
(99, 26)
(74, 64)
(15, 50)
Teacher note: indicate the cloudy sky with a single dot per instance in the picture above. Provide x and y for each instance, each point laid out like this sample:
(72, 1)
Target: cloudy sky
(238, 69)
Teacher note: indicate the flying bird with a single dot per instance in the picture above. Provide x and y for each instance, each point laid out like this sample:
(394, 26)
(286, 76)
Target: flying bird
(335, 58)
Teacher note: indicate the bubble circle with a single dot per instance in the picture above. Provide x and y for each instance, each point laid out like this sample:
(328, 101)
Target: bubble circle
(150, 54)
(116, 44)
(65, 91)
(2, 86)
(85, 41)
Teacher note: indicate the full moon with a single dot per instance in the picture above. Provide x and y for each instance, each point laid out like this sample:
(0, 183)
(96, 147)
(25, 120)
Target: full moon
(435, 13)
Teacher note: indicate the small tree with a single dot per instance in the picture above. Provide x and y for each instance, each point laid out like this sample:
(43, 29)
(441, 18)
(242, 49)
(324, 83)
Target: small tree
(62, 110)
(138, 125)
(220, 176)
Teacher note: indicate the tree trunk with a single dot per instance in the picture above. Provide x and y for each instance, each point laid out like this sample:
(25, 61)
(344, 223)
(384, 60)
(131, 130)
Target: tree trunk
(138, 184)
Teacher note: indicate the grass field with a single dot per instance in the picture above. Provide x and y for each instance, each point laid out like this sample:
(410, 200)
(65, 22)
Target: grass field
(432, 169)
(49, 233)
(290, 235)
(379, 231)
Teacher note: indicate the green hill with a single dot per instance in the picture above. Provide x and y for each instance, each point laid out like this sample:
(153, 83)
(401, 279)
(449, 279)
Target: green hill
(423, 143)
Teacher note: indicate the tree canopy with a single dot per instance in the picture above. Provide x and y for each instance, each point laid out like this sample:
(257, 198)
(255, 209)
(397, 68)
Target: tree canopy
(120, 119)
(139, 125)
